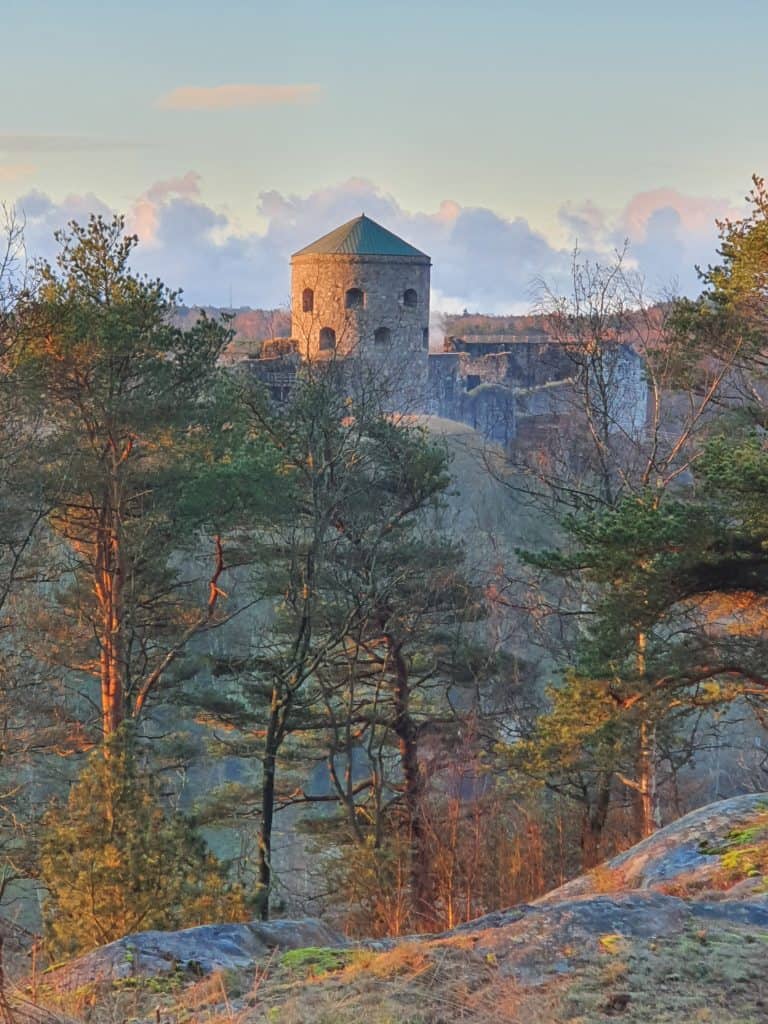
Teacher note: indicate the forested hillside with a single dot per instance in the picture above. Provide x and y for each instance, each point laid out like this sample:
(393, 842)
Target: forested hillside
(319, 657)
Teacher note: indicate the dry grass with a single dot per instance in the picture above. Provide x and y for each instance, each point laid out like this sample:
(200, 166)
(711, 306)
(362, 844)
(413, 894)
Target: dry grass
(606, 880)
(704, 976)
(414, 984)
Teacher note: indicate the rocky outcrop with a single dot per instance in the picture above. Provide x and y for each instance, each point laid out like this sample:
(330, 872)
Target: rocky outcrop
(673, 930)
(192, 951)
(684, 857)
(537, 942)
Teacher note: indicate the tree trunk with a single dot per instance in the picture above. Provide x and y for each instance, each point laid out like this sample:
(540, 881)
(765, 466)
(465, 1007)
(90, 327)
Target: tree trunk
(407, 735)
(108, 587)
(648, 815)
(647, 811)
(593, 822)
(274, 737)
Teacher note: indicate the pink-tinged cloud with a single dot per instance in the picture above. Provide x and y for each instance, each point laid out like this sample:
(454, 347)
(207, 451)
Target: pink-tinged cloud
(231, 97)
(186, 185)
(144, 216)
(13, 172)
(697, 214)
(447, 212)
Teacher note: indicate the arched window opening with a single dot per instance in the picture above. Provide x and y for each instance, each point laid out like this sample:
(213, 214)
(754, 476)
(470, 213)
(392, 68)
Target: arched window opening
(410, 298)
(327, 339)
(382, 336)
(307, 300)
(355, 298)
(425, 338)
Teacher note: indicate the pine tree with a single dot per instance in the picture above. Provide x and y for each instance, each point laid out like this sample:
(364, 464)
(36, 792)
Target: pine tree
(135, 466)
(359, 583)
(114, 861)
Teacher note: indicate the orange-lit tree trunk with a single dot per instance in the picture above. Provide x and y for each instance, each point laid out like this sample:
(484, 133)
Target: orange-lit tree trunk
(647, 813)
(647, 803)
(109, 593)
(108, 587)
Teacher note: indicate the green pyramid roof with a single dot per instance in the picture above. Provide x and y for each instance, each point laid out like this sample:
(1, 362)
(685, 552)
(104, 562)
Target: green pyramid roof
(360, 237)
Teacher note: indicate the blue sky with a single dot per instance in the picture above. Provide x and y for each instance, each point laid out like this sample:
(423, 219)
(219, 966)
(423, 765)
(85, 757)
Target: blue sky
(531, 123)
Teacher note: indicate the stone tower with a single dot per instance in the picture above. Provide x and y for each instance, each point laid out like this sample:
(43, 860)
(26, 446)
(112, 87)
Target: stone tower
(362, 291)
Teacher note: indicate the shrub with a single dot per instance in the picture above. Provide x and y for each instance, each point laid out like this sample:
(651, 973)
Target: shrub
(115, 862)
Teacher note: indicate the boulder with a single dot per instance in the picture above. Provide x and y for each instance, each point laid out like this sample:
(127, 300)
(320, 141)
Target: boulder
(192, 951)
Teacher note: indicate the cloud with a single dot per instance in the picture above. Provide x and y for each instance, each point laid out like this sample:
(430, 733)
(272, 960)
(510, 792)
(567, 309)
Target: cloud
(143, 218)
(42, 216)
(231, 97)
(696, 214)
(62, 144)
(668, 233)
(187, 185)
(12, 172)
(672, 233)
(482, 260)
(585, 223)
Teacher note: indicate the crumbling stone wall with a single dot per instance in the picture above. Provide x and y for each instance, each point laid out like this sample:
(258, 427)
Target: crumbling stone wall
(527, 381)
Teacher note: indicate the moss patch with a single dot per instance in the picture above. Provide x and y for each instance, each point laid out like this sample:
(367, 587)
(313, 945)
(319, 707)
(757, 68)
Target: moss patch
(743, 853)
(316, 959)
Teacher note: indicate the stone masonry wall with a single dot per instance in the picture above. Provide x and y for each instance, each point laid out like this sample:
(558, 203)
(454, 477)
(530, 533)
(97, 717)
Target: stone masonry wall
(383, 281)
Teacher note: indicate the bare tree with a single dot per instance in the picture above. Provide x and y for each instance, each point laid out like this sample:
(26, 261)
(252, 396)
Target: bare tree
(627, 419)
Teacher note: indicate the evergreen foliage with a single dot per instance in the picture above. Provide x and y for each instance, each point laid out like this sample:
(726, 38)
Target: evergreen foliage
(368, 594)
(114, 861)
(135, 463)
(673, 572)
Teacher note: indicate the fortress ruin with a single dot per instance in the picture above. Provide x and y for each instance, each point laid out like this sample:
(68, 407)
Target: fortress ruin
(361, 292)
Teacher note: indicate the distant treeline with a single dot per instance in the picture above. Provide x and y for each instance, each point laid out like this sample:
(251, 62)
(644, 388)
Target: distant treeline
(251, 326)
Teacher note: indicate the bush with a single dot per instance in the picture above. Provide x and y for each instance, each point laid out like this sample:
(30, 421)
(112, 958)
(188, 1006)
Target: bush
(115, 862)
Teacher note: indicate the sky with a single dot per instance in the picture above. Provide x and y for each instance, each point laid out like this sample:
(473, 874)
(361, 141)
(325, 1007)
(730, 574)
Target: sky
(495, 135)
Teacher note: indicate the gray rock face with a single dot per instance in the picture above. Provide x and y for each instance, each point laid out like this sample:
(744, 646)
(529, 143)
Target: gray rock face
(193, 951)
(677, 853)
(677, 848)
